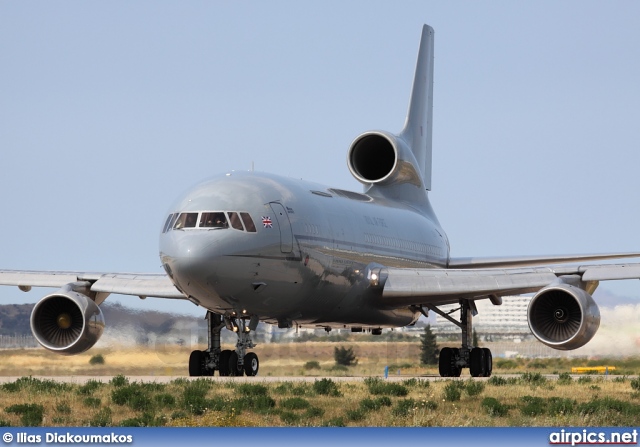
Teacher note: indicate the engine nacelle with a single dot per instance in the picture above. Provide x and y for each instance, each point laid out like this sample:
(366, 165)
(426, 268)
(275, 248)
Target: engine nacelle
(563, 317)
(382, 158)
(67, 322)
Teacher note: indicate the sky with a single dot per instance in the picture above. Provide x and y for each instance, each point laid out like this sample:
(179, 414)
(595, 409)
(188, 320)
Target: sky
(110, 110)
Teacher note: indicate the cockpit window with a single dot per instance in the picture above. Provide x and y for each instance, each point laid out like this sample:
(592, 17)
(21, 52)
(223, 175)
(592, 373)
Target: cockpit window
(186, 220)
(167, 223)
(248, 222)
(213, 220)
(236, 223)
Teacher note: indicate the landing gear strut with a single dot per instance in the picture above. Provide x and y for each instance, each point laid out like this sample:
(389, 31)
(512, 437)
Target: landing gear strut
(227, 362)
(452, 360)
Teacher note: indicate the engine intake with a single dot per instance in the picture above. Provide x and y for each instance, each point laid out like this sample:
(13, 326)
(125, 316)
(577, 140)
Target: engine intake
(563, 317)
(372, 157)
(67, 322)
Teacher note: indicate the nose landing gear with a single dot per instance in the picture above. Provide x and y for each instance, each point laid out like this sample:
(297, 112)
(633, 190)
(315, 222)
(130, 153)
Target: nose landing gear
(227, 362)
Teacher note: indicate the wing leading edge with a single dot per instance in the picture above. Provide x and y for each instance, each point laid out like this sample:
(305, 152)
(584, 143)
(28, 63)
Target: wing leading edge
(143, 285)
(404, 287)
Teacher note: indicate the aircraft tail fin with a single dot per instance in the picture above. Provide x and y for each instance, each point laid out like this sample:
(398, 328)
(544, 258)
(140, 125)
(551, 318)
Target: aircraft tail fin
(418, 125)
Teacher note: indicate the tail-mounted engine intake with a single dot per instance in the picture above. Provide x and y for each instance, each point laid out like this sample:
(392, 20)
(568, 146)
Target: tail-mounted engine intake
(67, 322)
(563, 317)
(382, 158)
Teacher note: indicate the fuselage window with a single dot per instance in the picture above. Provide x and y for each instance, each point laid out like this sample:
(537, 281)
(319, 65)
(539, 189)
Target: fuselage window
(248, 222)
(236, 223)
(186, 220)
(213, 220)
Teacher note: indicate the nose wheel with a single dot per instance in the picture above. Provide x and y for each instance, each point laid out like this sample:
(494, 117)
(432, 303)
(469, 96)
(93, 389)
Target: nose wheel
(227, 362)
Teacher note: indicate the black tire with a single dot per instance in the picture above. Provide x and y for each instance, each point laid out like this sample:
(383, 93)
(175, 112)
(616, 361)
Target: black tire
(251, 364)
(223, 362)
(477, 362)
(488, 362)
(233, 365)
(455, 369)
(195, 364)
(444, 362)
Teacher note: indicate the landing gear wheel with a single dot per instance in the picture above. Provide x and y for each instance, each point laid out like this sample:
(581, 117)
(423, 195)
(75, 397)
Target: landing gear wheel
(477, 363)
(251, 364)
(488, 362)
(196, 368)
(455, 369)
(223, 362)
(234, 370)
(446, 363)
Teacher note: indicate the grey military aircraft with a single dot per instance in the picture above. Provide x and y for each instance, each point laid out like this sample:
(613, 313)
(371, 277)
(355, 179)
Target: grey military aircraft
(251, 247)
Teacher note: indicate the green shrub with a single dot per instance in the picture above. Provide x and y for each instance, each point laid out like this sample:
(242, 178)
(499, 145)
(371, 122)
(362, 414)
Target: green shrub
(146, 420)
(326, 387)
(313, 364)
(452, 391)
(635, 383)
(565, 379)
(585, 379)
(102, 418)
(88, 388)
(290, 418)
(375, 404)
(36, 385)
(165, 400)
(134, 396)
(559, 406)
(63, 408)
(474, 387)
(344, 356)
(252, 389)
(92, 402)
(505, 364)
(336, 422)
(533, 406)
(534, 379)
(119, 381)
(31, 415)
(313, 412)
(97, 359)
(608, 404)
(4, 423)
(497, 381)
(378, 386)
(355, 415)
(295, 403)
(493, 407)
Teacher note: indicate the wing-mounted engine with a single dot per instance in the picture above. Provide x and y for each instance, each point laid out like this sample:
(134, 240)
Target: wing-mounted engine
(382, 158)
(563, 317)
(67, 322)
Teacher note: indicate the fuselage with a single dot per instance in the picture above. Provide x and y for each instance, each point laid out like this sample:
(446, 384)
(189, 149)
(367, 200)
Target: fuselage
(294, 252)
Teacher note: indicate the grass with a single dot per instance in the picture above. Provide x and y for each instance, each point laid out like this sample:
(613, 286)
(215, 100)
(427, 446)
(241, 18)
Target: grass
(520, 401)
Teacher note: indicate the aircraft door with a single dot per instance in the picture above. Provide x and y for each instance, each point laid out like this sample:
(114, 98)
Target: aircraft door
(286, 233)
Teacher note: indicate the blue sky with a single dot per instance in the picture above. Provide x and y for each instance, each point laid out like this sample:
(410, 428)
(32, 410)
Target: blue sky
(109, 110)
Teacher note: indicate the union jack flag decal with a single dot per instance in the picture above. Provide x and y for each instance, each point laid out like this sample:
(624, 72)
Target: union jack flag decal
(266, 221)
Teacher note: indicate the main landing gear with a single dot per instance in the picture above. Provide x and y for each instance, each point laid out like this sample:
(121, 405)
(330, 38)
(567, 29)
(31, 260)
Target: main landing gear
(452, 360)
(227, 362)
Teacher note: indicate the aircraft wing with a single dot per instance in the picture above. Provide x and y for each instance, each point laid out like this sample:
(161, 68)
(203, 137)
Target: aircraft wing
(527, 261)
(156, 285)
(403, 287)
